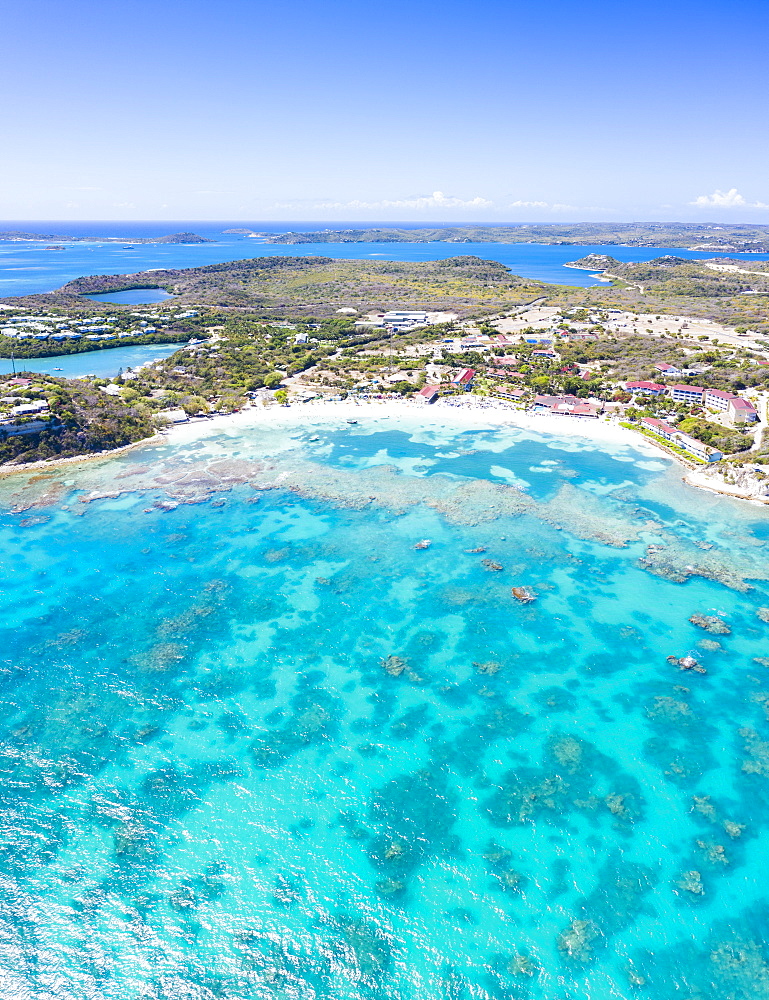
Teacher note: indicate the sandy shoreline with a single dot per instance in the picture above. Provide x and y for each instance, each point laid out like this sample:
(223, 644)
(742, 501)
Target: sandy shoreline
(470, 414)
(54, 463)
(699, 481)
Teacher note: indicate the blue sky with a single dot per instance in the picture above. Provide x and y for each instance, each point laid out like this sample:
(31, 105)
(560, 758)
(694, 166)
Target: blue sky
(334, 110)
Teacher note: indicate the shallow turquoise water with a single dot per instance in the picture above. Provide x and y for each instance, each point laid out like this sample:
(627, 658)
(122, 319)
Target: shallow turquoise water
(104, 363)
(212, 786)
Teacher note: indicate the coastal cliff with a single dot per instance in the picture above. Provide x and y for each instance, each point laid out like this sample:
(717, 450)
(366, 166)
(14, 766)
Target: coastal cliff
(744, 482)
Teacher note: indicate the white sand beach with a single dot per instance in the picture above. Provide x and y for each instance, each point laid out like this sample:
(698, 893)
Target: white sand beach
(468, 415)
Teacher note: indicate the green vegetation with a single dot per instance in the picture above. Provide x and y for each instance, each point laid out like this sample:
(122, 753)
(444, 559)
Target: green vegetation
(82, 420)
(290, 287)
(686, 455)
(258, 323)
(21, 349)
(274, 288)
(738, 238)
(725, 440)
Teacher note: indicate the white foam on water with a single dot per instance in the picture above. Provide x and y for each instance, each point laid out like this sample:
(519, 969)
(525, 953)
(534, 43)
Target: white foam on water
(509, 476)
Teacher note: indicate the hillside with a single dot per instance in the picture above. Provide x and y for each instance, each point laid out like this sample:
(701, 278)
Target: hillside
(286, 287)
(81, 420)
(739, 238)
(674, 276)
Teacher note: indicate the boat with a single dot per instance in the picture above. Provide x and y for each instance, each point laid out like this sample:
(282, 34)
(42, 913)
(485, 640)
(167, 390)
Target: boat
(58, 369)
(352, 421)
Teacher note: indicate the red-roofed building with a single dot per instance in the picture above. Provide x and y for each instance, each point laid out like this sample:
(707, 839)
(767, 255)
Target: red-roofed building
(463, 379)
(718, 398)
(645, 388)
(568, 406)
(686, 393)
(659, 427)
(690, 444)
(515, 394)
(741, 411)
(428, 395)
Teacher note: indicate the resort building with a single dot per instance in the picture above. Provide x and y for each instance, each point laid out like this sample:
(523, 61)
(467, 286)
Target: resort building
(690, 444)
(668, 369)
(698, 449)
(516, 395)
(429, 394)
(463, 379)
(568, 406)
(718, 399)
(659, 427)
(686, 393)
(645, 388)
(739, 410)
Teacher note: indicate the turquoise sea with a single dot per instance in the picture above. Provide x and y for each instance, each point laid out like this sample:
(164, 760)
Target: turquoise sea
(104, 363)
(255, 744)
(30, 267)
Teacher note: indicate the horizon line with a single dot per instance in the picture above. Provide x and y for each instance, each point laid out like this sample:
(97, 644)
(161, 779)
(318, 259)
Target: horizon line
(371, 223)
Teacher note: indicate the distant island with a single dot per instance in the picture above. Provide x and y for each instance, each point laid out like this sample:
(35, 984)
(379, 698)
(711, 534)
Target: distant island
(692, 236)
(594, 262)
(14, 236)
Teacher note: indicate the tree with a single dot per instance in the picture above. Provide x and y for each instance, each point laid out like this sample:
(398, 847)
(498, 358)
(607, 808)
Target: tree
(192, 405)
(273, 380)
(281, 397)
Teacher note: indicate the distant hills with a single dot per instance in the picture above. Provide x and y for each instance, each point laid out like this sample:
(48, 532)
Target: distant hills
(693, 236)
(15, 236)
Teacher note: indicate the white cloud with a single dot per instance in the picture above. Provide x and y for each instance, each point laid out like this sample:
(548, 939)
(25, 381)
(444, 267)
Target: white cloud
(436, 200)
(556, 206)
(528, 204)
(725, 199)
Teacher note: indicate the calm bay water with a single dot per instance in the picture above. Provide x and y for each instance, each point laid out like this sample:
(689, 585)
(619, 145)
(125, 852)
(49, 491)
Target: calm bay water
(255, 744)
(27, 268)
(104, 363)
(132, 296)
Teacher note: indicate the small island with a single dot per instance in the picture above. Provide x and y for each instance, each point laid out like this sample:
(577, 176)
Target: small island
(14, 236)
(594, 262)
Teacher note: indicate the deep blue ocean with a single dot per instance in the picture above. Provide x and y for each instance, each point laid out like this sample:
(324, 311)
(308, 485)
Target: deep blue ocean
(255, 744)
(26, 268)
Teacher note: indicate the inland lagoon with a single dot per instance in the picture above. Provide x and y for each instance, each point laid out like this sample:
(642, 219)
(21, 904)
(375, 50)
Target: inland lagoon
(398, 709)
